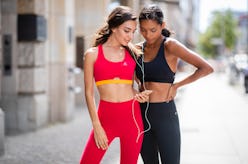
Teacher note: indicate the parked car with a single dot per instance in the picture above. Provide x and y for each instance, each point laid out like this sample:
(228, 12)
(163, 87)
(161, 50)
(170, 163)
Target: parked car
(245, 72)
(238, 70)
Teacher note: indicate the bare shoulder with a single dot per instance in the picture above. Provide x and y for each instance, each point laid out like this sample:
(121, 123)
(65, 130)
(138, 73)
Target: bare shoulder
(176, 48)
(91, 53)
(172, 43)
(136, 49)
(139, 45)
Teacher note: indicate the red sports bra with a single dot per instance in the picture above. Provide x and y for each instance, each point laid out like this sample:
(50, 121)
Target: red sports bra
(108, 72)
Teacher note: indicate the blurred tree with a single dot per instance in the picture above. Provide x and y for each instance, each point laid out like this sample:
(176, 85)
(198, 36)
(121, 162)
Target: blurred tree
(220, 36)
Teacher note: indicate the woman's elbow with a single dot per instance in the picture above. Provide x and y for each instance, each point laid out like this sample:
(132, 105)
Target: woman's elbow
(88, 93)
(208, 70)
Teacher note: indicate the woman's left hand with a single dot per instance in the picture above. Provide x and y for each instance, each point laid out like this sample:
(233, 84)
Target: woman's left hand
(172, 92)
(143, 96)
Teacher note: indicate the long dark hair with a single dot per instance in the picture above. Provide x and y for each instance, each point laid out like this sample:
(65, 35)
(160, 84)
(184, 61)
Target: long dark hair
(118, 16)
(153, 12)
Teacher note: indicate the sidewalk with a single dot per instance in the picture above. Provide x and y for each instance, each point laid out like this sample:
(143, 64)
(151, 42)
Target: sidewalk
(213, 118)
(55, 144)
(214, 123)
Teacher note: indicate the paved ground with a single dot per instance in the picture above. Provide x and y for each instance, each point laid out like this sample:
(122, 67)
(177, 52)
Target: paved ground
(213, 118)
(214, 123)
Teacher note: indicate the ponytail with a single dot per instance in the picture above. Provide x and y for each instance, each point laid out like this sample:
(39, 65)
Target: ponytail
(166, 32)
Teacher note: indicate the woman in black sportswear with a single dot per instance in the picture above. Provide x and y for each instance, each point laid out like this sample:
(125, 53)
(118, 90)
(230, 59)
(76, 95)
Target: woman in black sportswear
(156, 71)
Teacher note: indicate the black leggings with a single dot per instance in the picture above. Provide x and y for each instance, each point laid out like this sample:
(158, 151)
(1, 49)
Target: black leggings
(164, 136)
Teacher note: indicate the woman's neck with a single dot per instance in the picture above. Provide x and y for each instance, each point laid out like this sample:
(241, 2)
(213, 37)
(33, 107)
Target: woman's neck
(154, 44)
(111, 42)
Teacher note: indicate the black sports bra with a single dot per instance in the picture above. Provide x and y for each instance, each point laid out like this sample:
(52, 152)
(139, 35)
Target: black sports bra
(156, 70)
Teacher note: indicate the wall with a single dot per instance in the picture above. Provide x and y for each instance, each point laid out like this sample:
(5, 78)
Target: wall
(61, 34)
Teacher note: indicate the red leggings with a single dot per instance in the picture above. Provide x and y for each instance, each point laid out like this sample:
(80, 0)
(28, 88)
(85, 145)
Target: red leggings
(118, 120)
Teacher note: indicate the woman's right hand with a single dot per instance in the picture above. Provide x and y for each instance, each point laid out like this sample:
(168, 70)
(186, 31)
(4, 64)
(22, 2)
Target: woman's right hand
(143, 96)
(100, 136)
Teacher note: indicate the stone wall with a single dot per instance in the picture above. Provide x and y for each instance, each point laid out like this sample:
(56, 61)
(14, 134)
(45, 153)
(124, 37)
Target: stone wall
(61, 58)
(1, 132)
(24, 83)
(1, 48)
(32, 73)
(8, 101)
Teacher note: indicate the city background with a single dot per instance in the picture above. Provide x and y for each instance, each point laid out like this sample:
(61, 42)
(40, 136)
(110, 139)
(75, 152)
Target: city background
(43, 115)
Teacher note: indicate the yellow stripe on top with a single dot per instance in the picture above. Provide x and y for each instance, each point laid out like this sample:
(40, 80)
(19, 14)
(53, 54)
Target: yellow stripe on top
(114, 81)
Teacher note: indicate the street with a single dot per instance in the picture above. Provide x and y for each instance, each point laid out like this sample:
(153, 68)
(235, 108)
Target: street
(213, 119)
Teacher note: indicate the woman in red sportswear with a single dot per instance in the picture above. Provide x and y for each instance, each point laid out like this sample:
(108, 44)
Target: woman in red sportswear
(112, 67)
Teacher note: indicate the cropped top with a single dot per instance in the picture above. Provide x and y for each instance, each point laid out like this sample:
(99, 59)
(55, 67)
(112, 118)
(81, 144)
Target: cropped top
(108, 72)
(156, 70)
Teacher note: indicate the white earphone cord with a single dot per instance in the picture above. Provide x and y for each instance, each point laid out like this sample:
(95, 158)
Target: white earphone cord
(147, 105)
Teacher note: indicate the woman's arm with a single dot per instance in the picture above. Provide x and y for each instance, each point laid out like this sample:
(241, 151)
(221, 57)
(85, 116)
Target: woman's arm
(99, 133)
(177, 51)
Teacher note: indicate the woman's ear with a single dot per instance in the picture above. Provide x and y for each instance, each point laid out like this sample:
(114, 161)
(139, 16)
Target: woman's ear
(163, 25)
(113, 30)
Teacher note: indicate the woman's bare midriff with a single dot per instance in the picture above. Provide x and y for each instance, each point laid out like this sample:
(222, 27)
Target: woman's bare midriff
(159, 91)
(116, 92)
